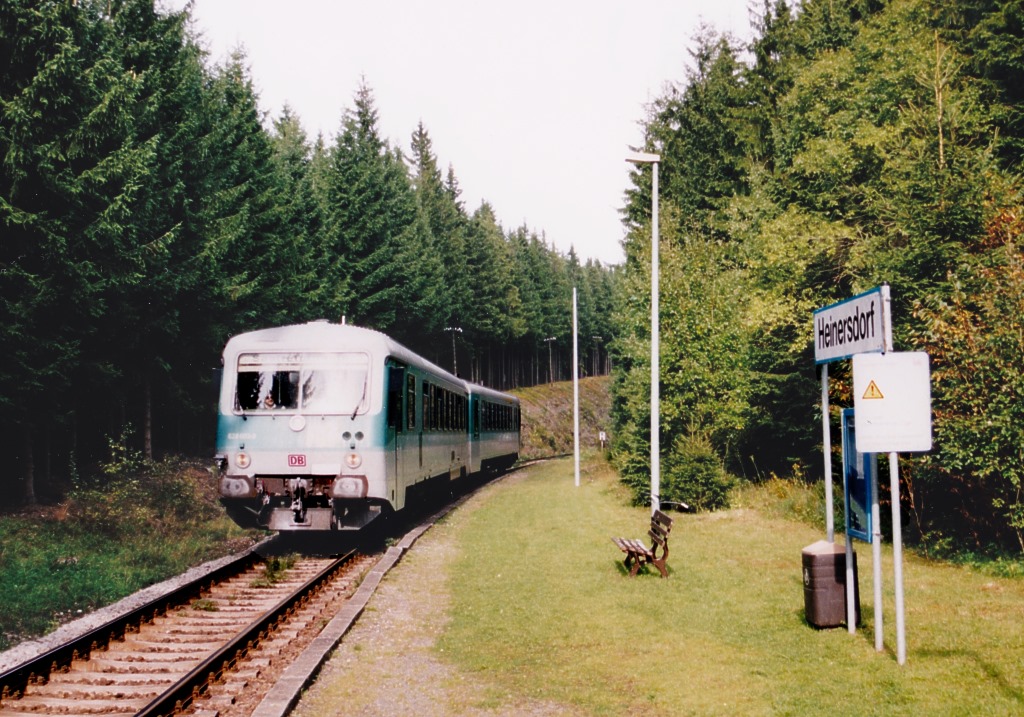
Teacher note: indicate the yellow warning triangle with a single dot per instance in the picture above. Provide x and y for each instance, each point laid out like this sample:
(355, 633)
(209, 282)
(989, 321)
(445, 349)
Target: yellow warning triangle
(872, 391)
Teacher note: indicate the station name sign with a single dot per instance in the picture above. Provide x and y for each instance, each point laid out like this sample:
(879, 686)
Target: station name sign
(853, 326)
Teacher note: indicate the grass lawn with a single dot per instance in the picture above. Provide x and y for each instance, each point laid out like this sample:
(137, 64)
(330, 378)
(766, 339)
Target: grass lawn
(543, 607)
(59, 562)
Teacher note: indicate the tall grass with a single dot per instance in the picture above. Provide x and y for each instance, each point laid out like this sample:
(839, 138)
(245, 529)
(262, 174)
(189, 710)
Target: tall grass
(111, 538)
(543, 607)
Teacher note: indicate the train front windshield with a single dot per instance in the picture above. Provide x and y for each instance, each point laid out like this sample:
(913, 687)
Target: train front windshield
(324, 383)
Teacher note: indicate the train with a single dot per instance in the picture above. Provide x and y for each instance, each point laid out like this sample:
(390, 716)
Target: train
(326, 427)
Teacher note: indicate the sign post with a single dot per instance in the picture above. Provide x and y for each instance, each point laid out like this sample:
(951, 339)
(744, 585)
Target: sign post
(860, 483)
(892, 401)
(858, 325)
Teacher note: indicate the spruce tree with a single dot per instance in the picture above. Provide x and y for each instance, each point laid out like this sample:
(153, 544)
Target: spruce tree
(380, 241)
(447, 225)
(302, 220)
(73, 177)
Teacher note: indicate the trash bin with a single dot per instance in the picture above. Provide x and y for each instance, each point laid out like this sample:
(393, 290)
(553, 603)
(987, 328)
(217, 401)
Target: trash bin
(824, 565)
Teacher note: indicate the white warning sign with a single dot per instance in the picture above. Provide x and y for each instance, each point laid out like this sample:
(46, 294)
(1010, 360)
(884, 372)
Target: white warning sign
(892, 399)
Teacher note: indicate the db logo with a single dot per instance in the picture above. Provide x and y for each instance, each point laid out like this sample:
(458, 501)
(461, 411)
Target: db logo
(296, 461)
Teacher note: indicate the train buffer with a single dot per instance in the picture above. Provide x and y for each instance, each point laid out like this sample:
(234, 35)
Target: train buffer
(637, 552)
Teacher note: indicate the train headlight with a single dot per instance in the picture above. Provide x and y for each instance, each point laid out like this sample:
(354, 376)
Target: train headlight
(235, 487)
(242, 460)
(349, 487)
(353, 461)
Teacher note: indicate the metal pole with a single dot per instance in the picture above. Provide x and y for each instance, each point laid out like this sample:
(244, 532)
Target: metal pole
(897, 556)
(454, 330)
(575, 387)
(655, 350)
(849, 449)
(551, 366)
(455, 365)
(826, 438)
(876, 552)
(851, 608)
(654, 160)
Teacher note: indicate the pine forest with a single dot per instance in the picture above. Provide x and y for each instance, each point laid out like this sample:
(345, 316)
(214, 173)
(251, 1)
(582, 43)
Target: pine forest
(150, 209)
(851, 143)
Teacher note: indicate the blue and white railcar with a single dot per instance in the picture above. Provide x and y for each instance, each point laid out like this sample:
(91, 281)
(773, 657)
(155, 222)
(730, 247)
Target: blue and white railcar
(494, 419)
(324, 427)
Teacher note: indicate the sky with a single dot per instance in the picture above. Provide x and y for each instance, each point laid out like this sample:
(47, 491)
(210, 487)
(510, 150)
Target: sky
(534, 103)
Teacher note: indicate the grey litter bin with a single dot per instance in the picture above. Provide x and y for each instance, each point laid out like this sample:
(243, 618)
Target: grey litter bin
(824, 568)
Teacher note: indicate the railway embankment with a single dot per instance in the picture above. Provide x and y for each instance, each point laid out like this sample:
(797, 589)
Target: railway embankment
(547, 412)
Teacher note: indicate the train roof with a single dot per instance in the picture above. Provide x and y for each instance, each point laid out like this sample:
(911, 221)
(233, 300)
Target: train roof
(491, 393)
(324, 335)
(315, 334)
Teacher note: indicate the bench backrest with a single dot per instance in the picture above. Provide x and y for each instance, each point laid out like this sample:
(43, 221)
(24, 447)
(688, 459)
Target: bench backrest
(661, 526)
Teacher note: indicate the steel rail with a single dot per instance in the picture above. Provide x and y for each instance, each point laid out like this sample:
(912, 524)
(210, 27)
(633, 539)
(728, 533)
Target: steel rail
(184, 692)
(21, 676)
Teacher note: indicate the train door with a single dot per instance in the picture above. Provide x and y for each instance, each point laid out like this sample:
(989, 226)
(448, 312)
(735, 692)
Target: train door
(474, 433)
(411, 458)
(394, 442)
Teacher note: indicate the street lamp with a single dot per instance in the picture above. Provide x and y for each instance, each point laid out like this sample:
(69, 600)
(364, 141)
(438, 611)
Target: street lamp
(654, 160)
(551, 366)
(454, 330)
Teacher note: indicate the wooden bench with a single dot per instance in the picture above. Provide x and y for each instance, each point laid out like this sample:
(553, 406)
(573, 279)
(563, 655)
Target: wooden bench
(638, 554)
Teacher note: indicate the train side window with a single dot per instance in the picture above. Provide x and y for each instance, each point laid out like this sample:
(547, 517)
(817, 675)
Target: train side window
(410, 396)
(396, 381)
(432, 423)
(437, 407)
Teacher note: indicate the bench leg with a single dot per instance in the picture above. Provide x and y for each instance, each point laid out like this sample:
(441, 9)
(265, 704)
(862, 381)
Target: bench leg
(632, 562)
(637, 563)
(661, 563)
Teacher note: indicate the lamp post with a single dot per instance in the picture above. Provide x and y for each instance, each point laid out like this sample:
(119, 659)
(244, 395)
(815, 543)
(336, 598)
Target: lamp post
(454, 330)
(654, 160)
(551, 366)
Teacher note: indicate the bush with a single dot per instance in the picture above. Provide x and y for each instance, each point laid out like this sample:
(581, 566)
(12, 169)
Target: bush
(694, 474)
(973, 480)
(117, 533)
(129, 494)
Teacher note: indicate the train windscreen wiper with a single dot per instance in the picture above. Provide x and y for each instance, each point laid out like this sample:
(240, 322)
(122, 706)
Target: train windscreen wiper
(366, 380)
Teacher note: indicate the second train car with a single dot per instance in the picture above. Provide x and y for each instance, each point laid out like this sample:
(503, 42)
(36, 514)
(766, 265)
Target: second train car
(327, 426)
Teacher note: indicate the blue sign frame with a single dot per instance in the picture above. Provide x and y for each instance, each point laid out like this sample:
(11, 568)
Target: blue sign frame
(856, 325)
(858, 478)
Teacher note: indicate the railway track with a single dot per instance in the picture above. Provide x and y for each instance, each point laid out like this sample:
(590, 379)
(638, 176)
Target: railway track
(230, 644)
(211, 647)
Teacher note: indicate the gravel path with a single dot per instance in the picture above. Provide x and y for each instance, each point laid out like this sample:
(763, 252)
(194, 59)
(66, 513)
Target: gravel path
(389, 663)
